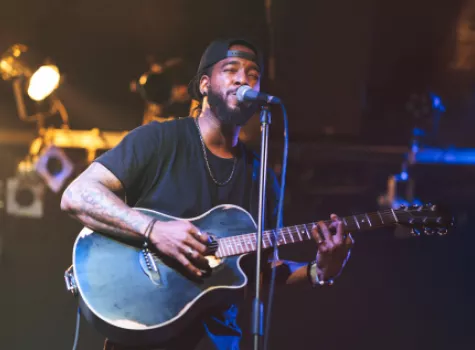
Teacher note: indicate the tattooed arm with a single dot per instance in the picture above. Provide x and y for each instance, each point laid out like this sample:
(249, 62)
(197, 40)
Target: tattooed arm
(92, 200)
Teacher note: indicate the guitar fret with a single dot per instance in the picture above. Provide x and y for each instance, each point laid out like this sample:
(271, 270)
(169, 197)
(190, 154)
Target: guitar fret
(253, 244)
(278, 237)
(234, 245)
(306, 230)
(375, 221)
(290, 234)
(269, 239)
(249, 242)
(245, 243)
(283, 236)
(225, 246)
(230, 246)
(345, 223)
(394, 214)
(298, 233)
(369, 221)
(356, 221)
(265, 235)
(263, 241)
(239, 245)
(275, 239)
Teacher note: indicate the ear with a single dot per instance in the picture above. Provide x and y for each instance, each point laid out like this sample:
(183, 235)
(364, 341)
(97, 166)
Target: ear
(204, 84)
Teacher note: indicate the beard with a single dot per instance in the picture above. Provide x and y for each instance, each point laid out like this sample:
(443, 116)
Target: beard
(238, 115)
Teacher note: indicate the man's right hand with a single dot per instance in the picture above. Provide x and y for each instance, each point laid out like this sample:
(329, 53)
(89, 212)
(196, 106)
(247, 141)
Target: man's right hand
(182, 241)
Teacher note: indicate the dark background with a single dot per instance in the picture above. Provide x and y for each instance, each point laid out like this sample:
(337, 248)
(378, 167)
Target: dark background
(345, 71)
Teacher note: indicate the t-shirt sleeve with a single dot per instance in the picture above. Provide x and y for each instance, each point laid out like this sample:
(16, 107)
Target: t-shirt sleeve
(131, 158)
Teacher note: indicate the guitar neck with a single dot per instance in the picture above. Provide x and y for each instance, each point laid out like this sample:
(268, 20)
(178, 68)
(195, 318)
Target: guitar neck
(247, 243)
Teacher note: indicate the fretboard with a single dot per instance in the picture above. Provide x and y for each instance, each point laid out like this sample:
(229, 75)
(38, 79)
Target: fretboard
(246, 243)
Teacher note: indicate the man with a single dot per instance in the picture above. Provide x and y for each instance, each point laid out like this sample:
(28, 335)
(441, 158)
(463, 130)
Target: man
(184, 168)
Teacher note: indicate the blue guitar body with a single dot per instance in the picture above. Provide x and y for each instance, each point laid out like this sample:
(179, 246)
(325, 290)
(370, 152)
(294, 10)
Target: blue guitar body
(141, 299)
(135, 297)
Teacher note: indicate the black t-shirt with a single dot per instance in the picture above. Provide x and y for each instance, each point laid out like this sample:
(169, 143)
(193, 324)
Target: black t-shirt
(162, 167)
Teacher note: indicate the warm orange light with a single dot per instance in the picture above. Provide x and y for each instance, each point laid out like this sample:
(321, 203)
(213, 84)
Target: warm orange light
(43, 82)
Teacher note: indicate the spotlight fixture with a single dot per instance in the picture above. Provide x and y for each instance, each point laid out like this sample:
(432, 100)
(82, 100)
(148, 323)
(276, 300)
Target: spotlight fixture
(41, 82)
(54, 167)
(24, 196)
(38, 81)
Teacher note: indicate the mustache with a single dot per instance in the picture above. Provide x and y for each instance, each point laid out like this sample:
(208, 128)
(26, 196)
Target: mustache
(234, 91)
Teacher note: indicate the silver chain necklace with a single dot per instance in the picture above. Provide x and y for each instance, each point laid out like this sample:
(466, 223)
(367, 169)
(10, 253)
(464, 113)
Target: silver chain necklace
(203, 147)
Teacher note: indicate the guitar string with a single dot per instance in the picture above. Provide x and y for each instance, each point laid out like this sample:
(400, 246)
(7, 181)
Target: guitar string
(269, 232)
(295, 230)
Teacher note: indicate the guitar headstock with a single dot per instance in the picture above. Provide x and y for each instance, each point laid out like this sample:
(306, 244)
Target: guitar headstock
(425, 220)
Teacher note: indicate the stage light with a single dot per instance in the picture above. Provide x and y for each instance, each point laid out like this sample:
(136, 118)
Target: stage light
(43, 82)
(42, 79)
(36, 80)
(24, 196)
(54, 167)
(437, 102)
(10, 64)
(164, 89)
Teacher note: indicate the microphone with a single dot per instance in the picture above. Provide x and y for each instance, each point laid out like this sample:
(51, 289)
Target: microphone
(246, 93)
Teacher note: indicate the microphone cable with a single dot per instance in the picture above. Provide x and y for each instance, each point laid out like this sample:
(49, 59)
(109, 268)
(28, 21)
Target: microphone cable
(76, 335)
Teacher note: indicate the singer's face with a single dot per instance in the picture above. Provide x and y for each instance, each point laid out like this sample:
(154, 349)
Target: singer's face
(226, 77)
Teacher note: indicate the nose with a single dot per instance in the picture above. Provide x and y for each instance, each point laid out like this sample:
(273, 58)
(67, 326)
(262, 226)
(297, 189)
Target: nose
(240, 78)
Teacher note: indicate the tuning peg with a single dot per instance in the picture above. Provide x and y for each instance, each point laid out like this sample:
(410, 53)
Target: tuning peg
(428, 231)
(402, 207)
(415, 232)
(442, 231)
(433, 207)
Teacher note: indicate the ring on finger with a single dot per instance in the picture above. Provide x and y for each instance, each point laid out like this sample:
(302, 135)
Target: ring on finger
(190, 251)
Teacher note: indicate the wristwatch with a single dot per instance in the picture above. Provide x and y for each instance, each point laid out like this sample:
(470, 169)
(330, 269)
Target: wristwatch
(313, 276)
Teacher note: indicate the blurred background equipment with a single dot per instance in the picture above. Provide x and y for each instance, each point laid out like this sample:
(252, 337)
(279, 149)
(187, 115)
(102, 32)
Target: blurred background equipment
(34, 87)
(54, 167)
(164, 90)
(25, 196)
(464, 58)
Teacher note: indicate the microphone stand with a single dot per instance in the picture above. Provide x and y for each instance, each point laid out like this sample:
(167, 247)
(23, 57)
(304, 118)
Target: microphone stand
(258, 307)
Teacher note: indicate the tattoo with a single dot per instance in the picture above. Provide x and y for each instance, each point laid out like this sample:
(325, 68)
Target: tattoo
(95, 205)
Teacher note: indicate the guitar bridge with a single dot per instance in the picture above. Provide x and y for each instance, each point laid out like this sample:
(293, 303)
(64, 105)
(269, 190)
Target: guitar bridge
(148, 262)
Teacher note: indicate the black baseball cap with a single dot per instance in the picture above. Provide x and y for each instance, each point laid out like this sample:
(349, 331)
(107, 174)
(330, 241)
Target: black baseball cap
(218, 50)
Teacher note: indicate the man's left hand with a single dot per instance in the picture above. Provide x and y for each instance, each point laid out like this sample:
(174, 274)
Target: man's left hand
(333, 250)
